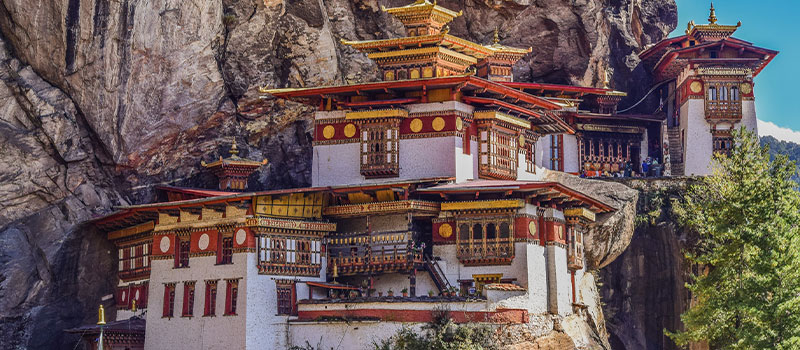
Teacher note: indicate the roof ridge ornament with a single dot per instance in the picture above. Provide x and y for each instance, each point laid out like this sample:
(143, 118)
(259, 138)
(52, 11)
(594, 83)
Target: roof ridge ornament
(496, 35)
(712, 16)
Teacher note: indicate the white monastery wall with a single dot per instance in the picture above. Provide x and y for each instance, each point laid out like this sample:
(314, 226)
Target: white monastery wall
(440, 106)
(337, 164)
(466, 164)
(266, 329)
(455, 271)
(571, 155)
(749, 120)
(698, 143)
(198, 332)
(558, 281)
(537, 277)
(397, 281)
(543, 152)
(524, 174)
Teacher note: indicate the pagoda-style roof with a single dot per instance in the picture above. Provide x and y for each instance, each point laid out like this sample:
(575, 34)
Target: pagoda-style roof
(670, 56)
(675, 60)
(467, 84)
(233, 160)
(476, 91)
(420, 9)
(543, 191)
(451, 42)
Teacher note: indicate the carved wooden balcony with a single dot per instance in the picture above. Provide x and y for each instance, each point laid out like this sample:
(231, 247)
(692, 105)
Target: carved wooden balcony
(575, 257)
(488, 252)
(724, 109)
(134, 274)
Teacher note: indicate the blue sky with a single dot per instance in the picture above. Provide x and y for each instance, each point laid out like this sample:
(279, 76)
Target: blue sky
(770, 24)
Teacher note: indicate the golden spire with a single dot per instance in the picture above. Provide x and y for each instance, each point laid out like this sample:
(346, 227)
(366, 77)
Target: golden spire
(133, 305)
(712, 17)
(496, 35)
(101, 316)
(234, 148)
(606, 79)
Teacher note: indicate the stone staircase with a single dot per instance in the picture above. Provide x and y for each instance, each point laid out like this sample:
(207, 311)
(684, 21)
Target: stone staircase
(675, 151)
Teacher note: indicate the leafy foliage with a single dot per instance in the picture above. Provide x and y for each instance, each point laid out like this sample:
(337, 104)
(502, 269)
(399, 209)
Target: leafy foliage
(789, 149)
(441, 334)
(746, 285)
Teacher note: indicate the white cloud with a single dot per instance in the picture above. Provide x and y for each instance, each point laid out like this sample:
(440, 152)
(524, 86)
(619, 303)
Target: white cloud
(778, 132)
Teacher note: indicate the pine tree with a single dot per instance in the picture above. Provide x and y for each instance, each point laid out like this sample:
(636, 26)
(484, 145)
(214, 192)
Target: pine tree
(746, 291)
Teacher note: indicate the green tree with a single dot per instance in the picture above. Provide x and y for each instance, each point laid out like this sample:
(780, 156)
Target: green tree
(746, 291)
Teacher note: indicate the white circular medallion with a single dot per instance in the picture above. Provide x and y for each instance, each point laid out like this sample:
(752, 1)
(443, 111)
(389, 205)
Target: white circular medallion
(136, 296)
(164, 245)
(123, 295)
(241, 235)
(202, 243)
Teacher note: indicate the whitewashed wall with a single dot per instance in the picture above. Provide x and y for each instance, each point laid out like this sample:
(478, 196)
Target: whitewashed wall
(698, 142)
(197, 332)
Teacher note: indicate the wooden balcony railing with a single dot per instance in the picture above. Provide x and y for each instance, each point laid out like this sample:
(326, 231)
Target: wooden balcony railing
(138, 273)
(486, 252)
(575, 257)
(380, 263)
(724, 109)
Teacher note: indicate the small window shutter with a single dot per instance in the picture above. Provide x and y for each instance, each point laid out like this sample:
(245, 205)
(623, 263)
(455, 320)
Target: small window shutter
(185, 299)
(166, 301)
(177, 253)
(294, 299)
(228, 298)
(219, 248)
(207, 294)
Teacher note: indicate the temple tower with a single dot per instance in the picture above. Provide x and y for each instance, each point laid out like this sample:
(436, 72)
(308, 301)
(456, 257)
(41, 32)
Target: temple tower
(710, 84)
(234, 170)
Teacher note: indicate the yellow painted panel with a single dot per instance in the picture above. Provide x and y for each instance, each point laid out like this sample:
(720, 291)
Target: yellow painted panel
(317, 211)
(318, 198)
(280, 200)
(385, 195)
(296, 211)
(308, 211)
(296, 199)
(358, 198)
(439, 95)
(279, 210)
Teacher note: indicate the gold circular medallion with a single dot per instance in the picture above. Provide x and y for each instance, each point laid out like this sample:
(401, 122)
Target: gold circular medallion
(522, 140)
(445, 230)
(746, 88)
(416, 125)
(438, 124)
(328, 132)
(532, 228)
(349, 130)
(696, 86)
(459, 123)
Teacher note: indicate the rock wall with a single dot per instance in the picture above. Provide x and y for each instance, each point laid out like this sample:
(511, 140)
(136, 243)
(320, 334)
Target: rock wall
(101, 100)
(643, 290)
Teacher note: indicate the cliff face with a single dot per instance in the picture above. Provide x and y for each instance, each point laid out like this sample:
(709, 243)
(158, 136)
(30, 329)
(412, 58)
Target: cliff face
(102, 99)
(644, 288)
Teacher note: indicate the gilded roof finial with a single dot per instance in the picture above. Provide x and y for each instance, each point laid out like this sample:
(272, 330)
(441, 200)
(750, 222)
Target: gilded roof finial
(234, 148)
(101, 316)
(446, 29)
(496, 35)
(712, 17)
(606, 79)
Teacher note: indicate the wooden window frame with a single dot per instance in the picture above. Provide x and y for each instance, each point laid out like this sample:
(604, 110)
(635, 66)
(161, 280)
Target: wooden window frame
(169, 301)
(557, 152)
(188, 299)
(380, 149)
(182, 249)
(286, 294)
(225, 249)
(231, 297)
(210, 307)
(498, 152)
(477, 248)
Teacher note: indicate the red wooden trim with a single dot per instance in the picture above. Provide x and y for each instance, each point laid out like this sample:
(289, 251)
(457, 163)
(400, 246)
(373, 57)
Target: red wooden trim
(396, 101)
(165, 312)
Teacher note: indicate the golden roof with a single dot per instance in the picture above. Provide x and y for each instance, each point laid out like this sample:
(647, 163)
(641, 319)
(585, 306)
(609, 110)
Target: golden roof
(495, 47)
(422, 7)
(712, 30)
(443, 39)
(234, 159)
